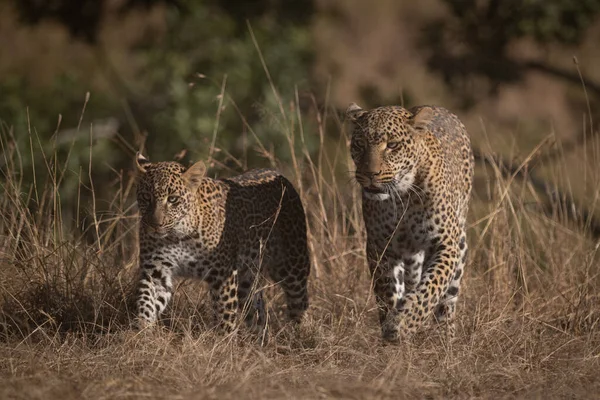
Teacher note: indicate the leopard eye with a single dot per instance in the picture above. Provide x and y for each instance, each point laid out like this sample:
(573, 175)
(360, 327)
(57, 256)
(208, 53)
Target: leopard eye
(173, 199)
(393, 145)
(358, 144)
(145, 197)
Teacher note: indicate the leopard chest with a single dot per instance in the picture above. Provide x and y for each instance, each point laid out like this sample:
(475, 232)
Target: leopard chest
(190, 257)
(396, 228)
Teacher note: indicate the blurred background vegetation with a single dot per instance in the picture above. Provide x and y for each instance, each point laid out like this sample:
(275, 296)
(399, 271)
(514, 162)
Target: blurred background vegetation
(167, 75)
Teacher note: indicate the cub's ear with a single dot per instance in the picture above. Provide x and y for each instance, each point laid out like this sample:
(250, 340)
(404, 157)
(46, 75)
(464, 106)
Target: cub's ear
(421, 118)
(354, 112)
(194, 174)
(141, 162)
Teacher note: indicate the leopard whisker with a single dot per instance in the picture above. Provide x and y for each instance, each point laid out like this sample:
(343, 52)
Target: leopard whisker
(412, 189)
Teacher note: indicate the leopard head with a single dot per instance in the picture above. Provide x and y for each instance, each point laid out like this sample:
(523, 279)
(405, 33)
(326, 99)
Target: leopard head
(166, 195)
(385, 147)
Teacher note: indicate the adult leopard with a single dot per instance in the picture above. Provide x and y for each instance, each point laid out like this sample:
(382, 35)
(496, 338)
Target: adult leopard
(226, 232)
(416, 171)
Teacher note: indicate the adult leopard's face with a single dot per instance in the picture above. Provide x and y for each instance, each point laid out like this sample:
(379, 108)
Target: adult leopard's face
(384, 147)
(166, 195)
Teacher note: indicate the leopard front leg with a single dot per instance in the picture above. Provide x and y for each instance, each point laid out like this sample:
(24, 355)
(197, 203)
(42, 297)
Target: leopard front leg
(154, 289)
(440, 269)
(444, 312)
(225, 299)
(250, 298)
(413, 268)
(388, 286)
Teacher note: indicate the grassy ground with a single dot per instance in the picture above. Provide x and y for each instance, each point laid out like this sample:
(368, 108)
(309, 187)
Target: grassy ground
(528, 319)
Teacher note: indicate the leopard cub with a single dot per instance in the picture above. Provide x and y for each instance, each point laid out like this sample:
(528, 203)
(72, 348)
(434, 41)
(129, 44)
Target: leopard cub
(226, 232)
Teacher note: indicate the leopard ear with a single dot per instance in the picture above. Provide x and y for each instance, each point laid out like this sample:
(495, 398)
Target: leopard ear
(194, 174)
(422, 118)
(141, 162)
(354, 112)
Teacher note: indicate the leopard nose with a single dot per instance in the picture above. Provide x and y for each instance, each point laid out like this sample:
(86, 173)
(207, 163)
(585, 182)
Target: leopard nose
(372, 174)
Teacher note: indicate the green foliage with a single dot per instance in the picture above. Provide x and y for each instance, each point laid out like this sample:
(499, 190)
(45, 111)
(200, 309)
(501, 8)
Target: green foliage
(82, 18)
(166, 98)
(474, 39)
(496, 21)
(40, 123)
(563, 21)
(208, 42)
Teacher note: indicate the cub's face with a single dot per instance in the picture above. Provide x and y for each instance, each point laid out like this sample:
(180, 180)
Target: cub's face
(166, 195)
(384, 148)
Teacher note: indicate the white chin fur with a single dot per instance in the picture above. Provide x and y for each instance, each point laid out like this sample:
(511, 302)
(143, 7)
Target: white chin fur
(403, 184)
(376, 196)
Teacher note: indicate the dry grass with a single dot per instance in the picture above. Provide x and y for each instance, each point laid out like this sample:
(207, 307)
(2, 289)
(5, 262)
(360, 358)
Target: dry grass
(527, 322)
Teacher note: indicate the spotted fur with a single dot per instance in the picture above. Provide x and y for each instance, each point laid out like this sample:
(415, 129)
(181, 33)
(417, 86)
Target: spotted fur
(226, 232)
(416, 171)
